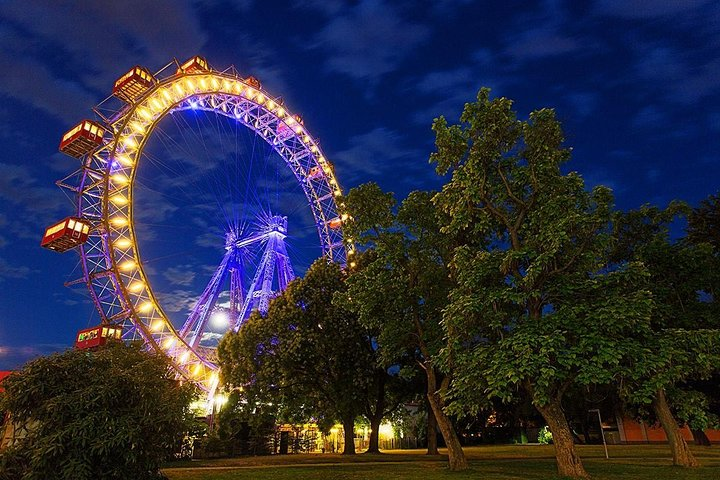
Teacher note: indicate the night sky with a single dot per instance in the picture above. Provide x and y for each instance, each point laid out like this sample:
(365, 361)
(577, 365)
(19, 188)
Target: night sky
(636, 84)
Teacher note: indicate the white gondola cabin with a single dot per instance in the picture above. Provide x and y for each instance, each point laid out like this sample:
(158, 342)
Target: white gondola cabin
(66, 234)
(133, 84)
(82, 139)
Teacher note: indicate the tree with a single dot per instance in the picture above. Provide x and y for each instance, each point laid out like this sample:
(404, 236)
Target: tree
(385, 393)
(309, 357)
(683, 344)
(400, 288)
(535, 308)
(704, 223)
(246, 427)
(114, 413)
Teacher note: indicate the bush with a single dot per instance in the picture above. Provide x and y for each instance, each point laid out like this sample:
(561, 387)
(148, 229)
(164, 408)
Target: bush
(114, 413)
(545, 436)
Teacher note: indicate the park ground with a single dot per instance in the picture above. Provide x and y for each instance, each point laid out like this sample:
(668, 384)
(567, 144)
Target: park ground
(497, 462)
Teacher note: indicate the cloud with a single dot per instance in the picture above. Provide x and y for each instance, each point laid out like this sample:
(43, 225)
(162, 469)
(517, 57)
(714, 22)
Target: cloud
(642, 9)
(19, 188)
(450, 89)
(327, 7)
(13, 357)
(182, 275)
(151, 205)
(650, 116)
(131, 33)
(33, 83)
(713, 121)
(373, 152)
(8, 271)
(673, 74)
(546, 32)
(448, 8)
(542, 42)
(214, 239)
(369, 40)
(584, 103)
(177, 301)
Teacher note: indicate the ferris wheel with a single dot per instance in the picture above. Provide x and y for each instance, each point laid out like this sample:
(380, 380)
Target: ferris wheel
(106, 227)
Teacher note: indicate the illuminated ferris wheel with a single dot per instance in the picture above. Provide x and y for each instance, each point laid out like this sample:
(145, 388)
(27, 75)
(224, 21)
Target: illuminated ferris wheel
(106, 225)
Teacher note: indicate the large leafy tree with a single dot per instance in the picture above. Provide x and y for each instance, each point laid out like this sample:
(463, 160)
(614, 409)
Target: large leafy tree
(113, 413)
(535, 309)
(683, 345)
(704, 222)
(308, 357)
(400, 288)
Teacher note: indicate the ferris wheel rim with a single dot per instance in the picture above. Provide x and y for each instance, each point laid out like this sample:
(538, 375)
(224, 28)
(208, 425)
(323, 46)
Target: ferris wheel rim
(122, 138)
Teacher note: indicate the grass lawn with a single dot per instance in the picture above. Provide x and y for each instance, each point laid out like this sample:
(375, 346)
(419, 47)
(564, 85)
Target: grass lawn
(504, 462)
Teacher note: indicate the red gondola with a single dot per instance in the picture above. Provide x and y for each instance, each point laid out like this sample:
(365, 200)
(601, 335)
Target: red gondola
(82, 139)
(196, 64)
(283, 131)
(315, 172)
(66, 234)
(253, 82)
(133, 84)
(335, 223)
(97, 336)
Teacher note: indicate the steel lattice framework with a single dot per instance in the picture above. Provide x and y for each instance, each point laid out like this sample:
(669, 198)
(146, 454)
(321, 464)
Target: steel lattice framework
(110, 259)
(274, 262)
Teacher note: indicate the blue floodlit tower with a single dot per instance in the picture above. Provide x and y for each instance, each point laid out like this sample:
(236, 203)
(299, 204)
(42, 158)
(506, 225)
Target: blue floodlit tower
(272, 276)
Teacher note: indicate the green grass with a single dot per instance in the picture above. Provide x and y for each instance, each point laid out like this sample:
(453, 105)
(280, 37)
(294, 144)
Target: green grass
(640, 462)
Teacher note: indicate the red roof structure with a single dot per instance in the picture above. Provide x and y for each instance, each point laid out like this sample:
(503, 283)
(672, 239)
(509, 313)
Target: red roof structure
(3, 376)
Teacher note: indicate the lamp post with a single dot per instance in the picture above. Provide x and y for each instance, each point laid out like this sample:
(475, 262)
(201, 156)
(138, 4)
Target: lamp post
(602, 433)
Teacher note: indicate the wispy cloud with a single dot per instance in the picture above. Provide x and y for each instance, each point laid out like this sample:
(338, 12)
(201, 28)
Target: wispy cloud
(130, 31)
(18, 187)
(369, 40)
(447, 91)
(671, 75)
(642, 9)
(182, 275)
(371, 153)
(177, 301)
(14, 357)
(8, 271)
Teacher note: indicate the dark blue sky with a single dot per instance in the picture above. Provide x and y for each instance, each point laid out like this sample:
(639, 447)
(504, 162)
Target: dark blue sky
(636, 84)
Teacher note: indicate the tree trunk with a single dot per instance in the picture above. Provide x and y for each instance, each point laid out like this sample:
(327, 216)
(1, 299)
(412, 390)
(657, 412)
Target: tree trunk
(456, 456)
(374, 442)
(567, 459)
(349, 435)
(432, 448)
(376, 415)
(700, 438)
(682, 455)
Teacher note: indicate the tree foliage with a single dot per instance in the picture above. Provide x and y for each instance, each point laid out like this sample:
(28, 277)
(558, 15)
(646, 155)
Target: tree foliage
(400, 286)
(683, 344)
(704, 222)
(536, 308)
(308, 357)
(113, 413)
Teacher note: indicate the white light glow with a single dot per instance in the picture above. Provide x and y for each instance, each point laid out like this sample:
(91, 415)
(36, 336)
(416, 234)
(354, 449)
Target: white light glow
(219, 319)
